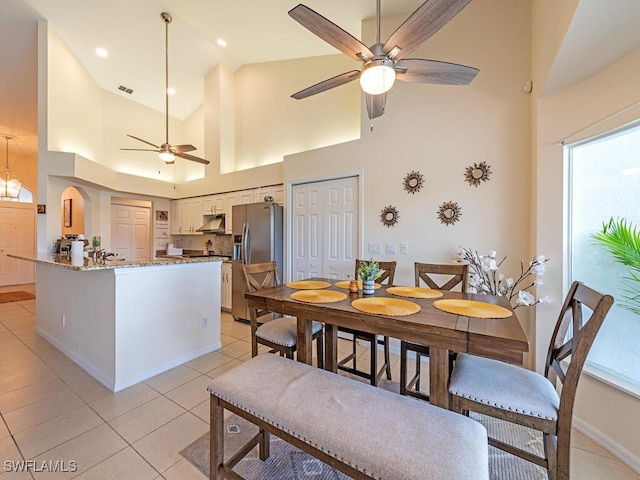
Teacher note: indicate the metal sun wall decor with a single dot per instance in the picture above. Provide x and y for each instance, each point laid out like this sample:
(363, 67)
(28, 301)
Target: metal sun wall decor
(413, 182)
(389, 216)
(449, 213)
(476, 173)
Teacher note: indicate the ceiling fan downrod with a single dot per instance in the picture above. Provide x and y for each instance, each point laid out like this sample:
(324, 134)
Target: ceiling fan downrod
(167, 20)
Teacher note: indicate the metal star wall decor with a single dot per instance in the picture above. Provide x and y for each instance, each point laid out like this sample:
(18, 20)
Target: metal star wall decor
(413, 182)
(449, 213)
(389, 216)
(476, 173)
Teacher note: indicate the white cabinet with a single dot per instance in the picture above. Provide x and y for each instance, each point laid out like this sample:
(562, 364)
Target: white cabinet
(230, 200)
(246, 196)
(175, 217)
(186, 216)
(225, 296)
(275, 191)
(213, 204)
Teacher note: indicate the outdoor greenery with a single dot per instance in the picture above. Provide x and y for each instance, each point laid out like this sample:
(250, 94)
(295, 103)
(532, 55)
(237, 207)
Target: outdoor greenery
(621, 238)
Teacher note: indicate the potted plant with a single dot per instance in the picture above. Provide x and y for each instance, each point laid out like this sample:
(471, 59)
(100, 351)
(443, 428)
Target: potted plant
(368, 271)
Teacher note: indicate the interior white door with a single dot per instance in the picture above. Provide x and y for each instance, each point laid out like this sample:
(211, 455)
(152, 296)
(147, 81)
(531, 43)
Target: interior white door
(130, 231)
(325, 229)
(17, 237)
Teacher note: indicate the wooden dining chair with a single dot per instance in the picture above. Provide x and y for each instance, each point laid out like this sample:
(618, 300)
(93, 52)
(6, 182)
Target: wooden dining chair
(373, 375)
(527, 398)
(449, 276)
(280, 334)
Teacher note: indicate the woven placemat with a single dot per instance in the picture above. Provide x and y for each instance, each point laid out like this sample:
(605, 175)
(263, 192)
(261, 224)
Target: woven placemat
(345, 284)
(393, 307)
(308, 284)
(318, 296)
(472, 308)
(414, 292)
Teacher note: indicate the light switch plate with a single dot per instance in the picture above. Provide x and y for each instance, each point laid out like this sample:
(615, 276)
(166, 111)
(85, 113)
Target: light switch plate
(374, 247)
(404, 248)
(392, 248)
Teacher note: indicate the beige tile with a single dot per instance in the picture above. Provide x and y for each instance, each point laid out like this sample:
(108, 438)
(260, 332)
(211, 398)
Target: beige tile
(172, 378)
(183, 470)
(19, 474)
(590, 466)
(4, 432)
(8, 450)
(162, 447)
(87, 450)
(124, 465)
(31, 365)
(20, 321)
(240, 331)
(192, 393)
(41, 411)
(224, 368)
(208, 362)
(57, 431)
(115, 404)
(202, 411)
(581, 441)
(236, 349)
(32, 394)
(146, 418)
(84, 385)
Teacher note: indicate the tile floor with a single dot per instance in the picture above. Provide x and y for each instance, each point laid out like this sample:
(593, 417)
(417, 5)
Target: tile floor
(51, 410)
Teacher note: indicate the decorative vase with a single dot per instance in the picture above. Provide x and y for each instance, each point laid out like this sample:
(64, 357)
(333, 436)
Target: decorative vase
(367, 287)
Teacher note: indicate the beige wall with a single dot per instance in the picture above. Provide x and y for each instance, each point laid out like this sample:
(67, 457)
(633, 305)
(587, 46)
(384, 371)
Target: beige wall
(613, 415)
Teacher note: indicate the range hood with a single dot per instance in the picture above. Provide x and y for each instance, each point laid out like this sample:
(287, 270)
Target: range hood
(213, 224)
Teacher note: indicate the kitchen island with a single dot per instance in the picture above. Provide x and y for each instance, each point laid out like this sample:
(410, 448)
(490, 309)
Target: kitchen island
(124, 322)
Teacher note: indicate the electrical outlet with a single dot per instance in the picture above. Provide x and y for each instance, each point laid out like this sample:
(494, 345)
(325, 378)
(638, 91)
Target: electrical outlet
(64, 320)
(404, 248)
(392, 248)
(205, 322)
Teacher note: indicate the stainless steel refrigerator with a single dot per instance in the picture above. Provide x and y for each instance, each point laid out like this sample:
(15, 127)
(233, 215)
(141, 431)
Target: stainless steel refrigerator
(257, 237)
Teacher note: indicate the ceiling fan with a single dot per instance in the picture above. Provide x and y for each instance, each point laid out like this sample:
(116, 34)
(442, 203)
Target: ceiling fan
(166, 151)
(383, 63)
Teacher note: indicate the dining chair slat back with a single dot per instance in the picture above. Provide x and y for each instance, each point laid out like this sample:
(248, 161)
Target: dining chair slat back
(374, 374)
(438, 277)
(276, 332)
(531, 399)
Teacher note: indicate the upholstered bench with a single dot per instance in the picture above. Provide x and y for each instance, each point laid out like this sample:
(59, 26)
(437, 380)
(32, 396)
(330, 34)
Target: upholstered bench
(363, 431)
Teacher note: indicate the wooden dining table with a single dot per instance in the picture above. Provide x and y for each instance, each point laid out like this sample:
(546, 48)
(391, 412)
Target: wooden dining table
(502, 339)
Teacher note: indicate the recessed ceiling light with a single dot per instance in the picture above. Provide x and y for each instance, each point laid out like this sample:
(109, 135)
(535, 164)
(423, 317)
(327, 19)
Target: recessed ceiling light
(101, 52)
(221, 42)
(171, 91)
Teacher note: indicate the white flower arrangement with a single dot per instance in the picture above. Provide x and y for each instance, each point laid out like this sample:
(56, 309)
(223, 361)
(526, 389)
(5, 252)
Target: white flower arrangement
(486, 279)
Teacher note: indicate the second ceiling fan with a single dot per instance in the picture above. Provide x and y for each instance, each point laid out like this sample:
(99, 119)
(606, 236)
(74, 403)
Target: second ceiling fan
(166, 151)
(383, 63)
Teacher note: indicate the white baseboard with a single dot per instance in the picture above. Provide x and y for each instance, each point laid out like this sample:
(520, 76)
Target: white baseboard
(607, 443)
(117, 386)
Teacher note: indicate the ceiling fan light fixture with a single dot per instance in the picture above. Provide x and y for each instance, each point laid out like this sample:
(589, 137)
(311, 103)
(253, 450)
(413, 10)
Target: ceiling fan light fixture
(378, 76)
(167, 157)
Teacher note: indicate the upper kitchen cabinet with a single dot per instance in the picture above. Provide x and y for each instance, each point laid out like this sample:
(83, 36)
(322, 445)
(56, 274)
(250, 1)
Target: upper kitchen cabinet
(230, 199)
(175, 217)
(275, 191)
(213, 205)
(186, 216)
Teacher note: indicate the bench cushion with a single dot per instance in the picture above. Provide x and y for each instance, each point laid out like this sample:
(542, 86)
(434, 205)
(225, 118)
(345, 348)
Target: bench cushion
(380, 433)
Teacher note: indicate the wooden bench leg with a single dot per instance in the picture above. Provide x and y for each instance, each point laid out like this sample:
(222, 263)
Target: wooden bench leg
(216, 439)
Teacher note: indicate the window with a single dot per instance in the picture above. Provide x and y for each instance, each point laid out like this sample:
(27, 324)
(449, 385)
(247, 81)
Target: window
(604, 182)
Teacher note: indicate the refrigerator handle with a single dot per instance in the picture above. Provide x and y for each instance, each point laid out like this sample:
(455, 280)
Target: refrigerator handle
(247, 244)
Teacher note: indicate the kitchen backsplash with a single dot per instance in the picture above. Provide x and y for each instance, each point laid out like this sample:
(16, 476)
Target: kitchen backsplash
(220, 244)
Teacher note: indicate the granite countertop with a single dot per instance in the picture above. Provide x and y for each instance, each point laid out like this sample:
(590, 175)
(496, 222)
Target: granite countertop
(88, 263)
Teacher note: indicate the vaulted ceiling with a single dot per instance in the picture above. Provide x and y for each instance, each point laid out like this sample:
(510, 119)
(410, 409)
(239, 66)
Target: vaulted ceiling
(255, 31)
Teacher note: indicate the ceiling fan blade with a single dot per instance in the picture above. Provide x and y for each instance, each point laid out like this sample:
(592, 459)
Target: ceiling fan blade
(144, 141)
(329, 32)
(375, 104)
(183, 148)
(327, 84)
(430, 17)
(141, 149)
(193, 158)
(433, 71)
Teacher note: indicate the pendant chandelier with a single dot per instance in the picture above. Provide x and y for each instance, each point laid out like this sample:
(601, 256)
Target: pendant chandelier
(9, 184)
